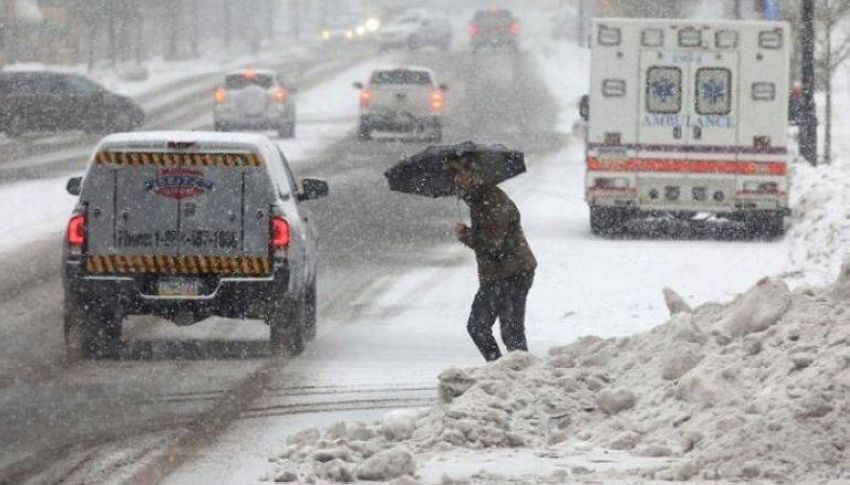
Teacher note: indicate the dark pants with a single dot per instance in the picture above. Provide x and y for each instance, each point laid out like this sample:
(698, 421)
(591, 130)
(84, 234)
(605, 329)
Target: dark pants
(505, 300)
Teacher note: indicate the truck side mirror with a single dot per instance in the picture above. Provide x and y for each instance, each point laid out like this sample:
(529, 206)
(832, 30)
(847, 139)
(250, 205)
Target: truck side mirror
(584, 107)
(74, 185)
(313, 189)
(358, 85)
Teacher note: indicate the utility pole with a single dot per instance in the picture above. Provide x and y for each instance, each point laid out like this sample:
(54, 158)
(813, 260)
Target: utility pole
(10, 32)
(582, 21)
(809, 124)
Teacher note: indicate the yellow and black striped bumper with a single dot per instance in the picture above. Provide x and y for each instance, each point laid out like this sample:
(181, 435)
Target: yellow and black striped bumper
(177, 265)
(179, 159)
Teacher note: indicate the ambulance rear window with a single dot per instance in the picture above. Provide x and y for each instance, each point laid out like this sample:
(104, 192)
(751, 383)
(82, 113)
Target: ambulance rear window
(714, 91)
(664, 90)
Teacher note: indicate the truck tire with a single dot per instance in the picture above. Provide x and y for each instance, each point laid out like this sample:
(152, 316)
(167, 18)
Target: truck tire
(608, 221)
(91, 332)
(364, 133)
(310, 312)
(286, 327)
(287, 130)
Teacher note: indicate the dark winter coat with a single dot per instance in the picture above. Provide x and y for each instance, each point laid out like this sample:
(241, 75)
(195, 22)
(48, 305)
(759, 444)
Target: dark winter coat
(496, 236)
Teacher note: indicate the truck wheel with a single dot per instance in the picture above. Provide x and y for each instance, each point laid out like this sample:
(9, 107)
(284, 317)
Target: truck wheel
(287, 130)
(286, 327)
(310, 312)
(91, 332)
(364, 133)
(606, 221)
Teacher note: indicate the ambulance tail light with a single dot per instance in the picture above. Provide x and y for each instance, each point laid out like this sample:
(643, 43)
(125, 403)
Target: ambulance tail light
(614, 139)
(437, 101)
(280, 95)
(761, 141)
(279, 232)
(219, 95)
(75, 236)
(365, 98)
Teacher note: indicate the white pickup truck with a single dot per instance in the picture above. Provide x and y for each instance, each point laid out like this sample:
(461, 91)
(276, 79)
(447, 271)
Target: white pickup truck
(402, 100)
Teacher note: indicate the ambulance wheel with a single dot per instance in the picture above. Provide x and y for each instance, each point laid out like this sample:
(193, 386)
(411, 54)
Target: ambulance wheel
(91, 332)
(767, 225)
(286, 327)
(606, 221)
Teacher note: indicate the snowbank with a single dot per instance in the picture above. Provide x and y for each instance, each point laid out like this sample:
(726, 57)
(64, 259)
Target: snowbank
(758, 388)
(821, 222)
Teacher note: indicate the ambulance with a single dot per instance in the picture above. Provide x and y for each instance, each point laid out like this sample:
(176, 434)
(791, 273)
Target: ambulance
(688, 118)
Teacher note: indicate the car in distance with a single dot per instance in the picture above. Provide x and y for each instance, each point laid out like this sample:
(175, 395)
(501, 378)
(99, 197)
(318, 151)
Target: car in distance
(494, 28)
(185, 226)
(43, 101)
(416, 30)
(255, 100)
(402, 100)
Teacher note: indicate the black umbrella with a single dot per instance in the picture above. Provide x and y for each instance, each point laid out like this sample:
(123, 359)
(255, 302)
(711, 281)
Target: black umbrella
(427, 172)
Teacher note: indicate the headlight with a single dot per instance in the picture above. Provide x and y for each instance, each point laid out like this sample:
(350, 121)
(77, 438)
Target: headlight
(373, 24)
(326, 34)
(349, 34)
(361, 31)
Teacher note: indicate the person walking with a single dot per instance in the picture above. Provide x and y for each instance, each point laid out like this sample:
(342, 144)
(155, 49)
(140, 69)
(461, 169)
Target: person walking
(506, 264)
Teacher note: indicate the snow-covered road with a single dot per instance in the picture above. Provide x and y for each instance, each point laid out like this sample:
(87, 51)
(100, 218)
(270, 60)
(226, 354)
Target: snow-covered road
(406, 328)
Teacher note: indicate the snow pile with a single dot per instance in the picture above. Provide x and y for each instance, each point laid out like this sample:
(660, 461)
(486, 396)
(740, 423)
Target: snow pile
(755, 389)
(821, 229)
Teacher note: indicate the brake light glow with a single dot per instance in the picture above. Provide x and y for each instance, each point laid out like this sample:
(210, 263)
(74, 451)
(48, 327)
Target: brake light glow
(280, 95)
(219, 95)
(365, 98)
(76, 234)
(249, 74)
(513, 28)
(279, 233)
(474, 30)
(437, 101)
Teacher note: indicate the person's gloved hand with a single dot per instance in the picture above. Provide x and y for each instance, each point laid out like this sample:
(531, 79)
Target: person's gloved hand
(461, 232)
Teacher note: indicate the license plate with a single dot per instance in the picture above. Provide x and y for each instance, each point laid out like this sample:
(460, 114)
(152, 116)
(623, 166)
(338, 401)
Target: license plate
(179, 287)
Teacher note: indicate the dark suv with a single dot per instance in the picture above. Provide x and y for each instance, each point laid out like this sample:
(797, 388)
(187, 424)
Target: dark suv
(494, 28)
(52, 101)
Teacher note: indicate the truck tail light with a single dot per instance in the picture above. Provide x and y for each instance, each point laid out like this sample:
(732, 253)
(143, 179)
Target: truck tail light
(513, 28)
(218, 95)
(75, 236)
(280, 95)
(437, 101)
(279, 233)
(365, 98)
(474, 31)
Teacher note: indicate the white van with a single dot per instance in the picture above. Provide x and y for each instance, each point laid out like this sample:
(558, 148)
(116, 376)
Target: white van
(688, 117)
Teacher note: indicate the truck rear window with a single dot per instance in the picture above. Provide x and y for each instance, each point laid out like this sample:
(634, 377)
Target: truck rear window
(242, 81)
(401, 77)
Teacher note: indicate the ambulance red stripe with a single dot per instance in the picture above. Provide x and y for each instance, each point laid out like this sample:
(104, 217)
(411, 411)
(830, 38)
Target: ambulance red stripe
(660, 165)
